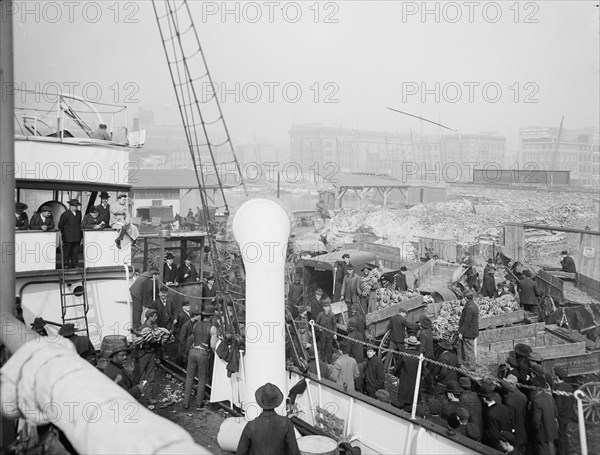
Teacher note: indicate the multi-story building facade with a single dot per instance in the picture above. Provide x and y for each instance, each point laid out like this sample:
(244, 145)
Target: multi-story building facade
(405, 156)
(577, 151)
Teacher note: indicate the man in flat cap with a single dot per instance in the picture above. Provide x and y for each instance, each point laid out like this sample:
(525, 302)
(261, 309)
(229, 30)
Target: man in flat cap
(92, 221)
(468, 331)
(516, 402)
(42, 220)
(269, 433)
(351, 290)
(70, 226)
(21, 218)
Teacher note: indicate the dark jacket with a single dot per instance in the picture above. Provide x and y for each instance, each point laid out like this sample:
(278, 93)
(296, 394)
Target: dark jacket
(190, 271)
(89, 222)
(497, 419)
(84, 347)
(312, 367)
(374, 375)
(327, 321)
(295, 294)
(182, 318)
(113, 370)
(104, 214)
(564, 404)
(406, 371)
(316, 306)
(36, 222)
(426, 339)
(208, 295)
(472, 402)
(141, 289)
(397, 327)
(516, 402)
(22, 222)
(568, 265)
(268, 434)
(543, 417)
(70, 226)
(400, 282)
(444, 374)
(351, 288)
(170, 274)
(528, 291)
(468, 325)
(165, 313)
(488, 288)
(357, 349)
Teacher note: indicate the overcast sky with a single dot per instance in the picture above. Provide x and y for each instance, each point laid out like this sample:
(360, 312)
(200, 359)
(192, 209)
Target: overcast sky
(355, 57)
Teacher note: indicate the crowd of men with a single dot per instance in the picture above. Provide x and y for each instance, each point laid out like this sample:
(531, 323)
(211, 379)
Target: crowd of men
(515, 412)
(72, 224)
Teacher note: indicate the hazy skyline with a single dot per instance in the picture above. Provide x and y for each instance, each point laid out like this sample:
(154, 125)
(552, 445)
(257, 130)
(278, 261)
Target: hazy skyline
(377, 55)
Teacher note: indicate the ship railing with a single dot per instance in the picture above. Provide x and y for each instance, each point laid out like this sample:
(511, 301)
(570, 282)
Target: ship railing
(63, 116)
(36, 251)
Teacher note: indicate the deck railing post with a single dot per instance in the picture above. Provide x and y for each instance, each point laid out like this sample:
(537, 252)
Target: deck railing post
(579, 395)
(417, 385)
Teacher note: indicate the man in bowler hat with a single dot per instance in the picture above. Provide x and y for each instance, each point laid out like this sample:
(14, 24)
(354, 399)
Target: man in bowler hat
(70, 226)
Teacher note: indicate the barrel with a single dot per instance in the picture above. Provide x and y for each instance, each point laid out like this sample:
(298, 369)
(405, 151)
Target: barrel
(442, 295)
(110, 342)
(317, 445)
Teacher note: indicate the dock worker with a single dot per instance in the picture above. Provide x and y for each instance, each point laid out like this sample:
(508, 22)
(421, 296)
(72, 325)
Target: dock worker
(565, 410)
(516, 402)
(209, 292)
(145, 355)
(21, 217)
(528, 292)
(70, 226)
(400, 280)
(43, 220)
(373, 373)
(351, 287)
(468, 331)
(489, 281)
(101, 133)
(82, 343)
(104, 208)
(142, 293)
(269, 433)
(315, 304)
(115, 370)
(443, 374)
(120, 220)
(345, 369)
(312, 364)
(204, 335)
(164, 309)
(567, 263)
(406, 372)
(92, 221)
(397, 327)
(296, 295)
(326, 319)
(496, 418)
(470, 400)
(543, 418)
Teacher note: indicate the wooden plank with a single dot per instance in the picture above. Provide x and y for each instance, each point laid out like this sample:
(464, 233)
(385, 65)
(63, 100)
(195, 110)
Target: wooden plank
(551, 285)
(386, 313)
(501, 319)
(561, 350)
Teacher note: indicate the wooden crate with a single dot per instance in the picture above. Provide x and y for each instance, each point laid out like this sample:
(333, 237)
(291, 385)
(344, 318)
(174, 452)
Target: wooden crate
(550, 285)
(501, 319)
(588, 363)
(377, 321)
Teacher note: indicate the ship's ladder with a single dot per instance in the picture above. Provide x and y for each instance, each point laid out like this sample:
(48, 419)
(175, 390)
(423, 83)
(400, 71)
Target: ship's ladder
(213, 156)
(73, 311)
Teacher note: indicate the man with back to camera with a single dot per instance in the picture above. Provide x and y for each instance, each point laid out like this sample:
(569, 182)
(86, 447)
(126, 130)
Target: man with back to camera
(101, 133)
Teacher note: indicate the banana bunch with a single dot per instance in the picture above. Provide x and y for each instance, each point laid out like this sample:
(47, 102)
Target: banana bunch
(149, 335)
